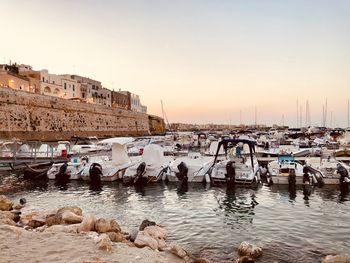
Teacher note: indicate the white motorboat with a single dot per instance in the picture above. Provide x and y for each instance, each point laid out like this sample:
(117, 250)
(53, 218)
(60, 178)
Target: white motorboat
(149, 168)
(85, 145)
(327, 167)
(280, 169)
(238, 167)
(197, 167)
(73, 170)
(115, 168)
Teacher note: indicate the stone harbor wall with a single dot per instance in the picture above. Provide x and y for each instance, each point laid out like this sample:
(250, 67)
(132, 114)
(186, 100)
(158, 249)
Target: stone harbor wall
(29, 116)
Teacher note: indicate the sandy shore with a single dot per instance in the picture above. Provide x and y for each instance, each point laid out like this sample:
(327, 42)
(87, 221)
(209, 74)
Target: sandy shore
(19, 245)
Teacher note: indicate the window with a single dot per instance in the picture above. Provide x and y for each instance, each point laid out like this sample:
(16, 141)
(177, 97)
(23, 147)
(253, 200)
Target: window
(43, 79)
(73, 88)
(53, 82)
(65, 85)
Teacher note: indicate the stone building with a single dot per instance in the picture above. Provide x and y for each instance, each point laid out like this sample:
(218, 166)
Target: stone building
(135, 102)
(10, 78)
(92, 91)
(121, 100)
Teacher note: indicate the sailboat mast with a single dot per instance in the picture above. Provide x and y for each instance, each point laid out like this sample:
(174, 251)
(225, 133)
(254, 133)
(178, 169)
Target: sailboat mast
(348, 113)
(255, 117)
(297, 113)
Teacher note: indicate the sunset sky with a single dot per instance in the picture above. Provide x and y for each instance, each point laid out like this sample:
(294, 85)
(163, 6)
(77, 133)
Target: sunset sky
(207, 60)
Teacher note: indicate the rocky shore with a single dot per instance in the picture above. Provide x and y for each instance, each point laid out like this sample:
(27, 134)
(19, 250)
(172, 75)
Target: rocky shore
(67, 234)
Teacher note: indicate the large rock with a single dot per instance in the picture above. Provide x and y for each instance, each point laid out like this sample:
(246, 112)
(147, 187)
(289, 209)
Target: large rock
(65, 215)
(88, 224)
(68, 217)
(14, 216)
(343, 258)
(144, 240)
(53, 219)
(156, 232)
(179, 251)
(145, 223)
(74, 209)
(106, 225)
(250, 250)
(33, 219)
(104, 243)
(5, 203)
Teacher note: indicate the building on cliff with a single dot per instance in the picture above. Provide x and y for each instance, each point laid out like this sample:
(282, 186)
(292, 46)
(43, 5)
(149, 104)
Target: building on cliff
(67, 86)
(10, 78)
(93, 92)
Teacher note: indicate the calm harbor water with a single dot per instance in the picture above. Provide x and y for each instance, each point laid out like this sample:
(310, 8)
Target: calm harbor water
(211, 222)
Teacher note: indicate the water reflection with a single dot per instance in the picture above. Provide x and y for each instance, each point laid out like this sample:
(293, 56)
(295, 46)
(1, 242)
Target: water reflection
(293, 224)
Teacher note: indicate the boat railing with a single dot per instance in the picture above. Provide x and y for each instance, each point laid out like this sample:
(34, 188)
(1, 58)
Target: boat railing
(27, 152)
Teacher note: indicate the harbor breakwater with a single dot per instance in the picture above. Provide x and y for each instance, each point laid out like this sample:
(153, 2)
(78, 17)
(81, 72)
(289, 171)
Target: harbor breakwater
(30, 116)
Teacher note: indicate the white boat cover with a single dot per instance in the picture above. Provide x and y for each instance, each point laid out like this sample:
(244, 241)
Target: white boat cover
(119, 154)
(153, 154)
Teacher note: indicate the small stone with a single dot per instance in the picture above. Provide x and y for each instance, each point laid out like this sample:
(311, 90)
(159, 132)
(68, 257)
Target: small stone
(18, 207)
(104, 243)
(116, 237)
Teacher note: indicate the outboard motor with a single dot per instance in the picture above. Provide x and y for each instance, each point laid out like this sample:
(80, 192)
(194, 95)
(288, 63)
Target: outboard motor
(292, 179)
(306, 176)
(230, 173)
(95, 173)
(139, 173)
(62, 177)
(178, 147)
(343, 179)
(292, 184)
(182, 175)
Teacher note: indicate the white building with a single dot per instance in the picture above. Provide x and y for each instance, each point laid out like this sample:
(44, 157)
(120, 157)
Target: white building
(59, 85)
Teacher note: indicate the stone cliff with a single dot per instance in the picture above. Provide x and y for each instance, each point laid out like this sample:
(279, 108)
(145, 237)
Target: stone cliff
(30, 116)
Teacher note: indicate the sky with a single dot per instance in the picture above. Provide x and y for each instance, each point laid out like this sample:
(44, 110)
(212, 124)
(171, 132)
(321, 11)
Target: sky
(208, 61)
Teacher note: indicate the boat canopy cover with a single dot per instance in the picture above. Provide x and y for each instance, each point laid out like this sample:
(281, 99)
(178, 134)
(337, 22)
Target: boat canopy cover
(119, 154)
(153, 154)
(234, 142)
(120, 140)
